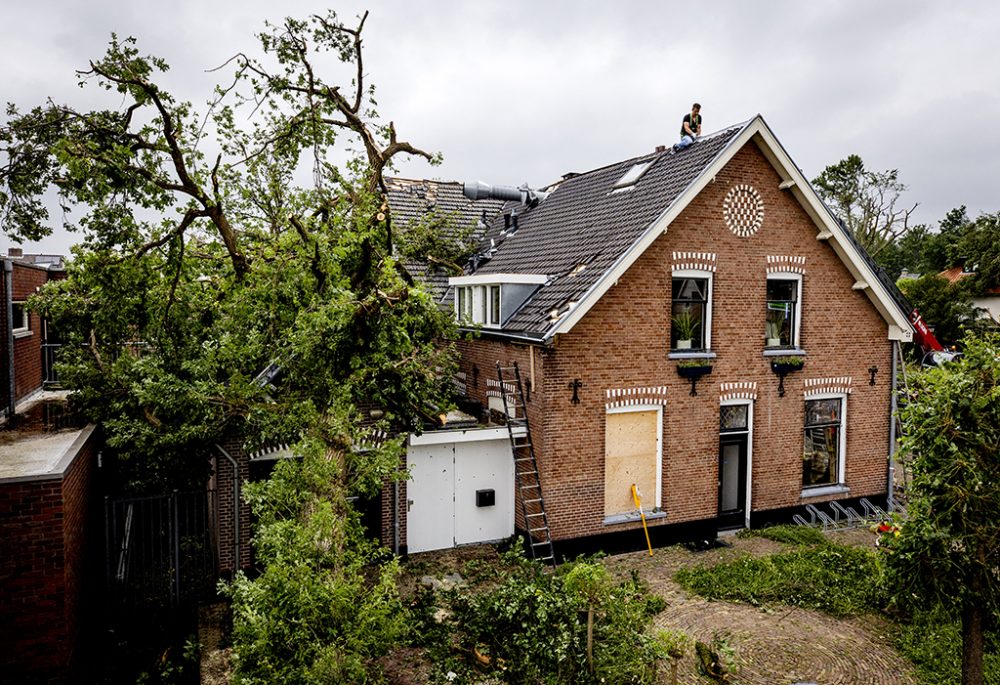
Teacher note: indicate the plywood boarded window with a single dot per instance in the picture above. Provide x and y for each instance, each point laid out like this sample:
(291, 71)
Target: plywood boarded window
(632, 455)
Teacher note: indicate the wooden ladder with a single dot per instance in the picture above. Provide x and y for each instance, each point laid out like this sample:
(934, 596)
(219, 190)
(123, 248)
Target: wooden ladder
(526, 481)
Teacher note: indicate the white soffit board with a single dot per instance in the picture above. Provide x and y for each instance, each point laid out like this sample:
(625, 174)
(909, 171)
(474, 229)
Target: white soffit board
(493, 279)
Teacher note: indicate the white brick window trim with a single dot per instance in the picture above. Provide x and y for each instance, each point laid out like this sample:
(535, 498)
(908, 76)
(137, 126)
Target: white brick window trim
(693, 261)
(786, 264)
(742, 390)
(826, 386)
(630, 397)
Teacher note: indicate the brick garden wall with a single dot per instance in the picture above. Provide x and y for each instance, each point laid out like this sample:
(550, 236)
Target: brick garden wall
(49, 549)
(623, 342)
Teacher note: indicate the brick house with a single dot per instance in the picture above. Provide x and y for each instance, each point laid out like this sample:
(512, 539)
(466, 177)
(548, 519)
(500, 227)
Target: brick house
(604, 287)
(25, 332)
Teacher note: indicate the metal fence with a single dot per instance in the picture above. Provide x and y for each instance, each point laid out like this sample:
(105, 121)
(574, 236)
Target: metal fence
(50, 379)
(162, 551)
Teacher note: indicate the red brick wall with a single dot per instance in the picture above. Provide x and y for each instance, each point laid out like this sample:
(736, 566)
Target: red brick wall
(27, 347)
(227, 507)
(623, 342)
(48, 540)
(82, 544)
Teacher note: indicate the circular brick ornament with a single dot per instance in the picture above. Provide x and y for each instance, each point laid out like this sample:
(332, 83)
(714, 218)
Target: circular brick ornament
(743, 210)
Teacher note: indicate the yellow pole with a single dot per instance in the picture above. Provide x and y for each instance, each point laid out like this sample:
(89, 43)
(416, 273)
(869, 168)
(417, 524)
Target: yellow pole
(636, 495)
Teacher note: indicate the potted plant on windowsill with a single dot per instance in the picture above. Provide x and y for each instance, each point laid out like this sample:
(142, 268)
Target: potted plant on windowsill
(693, 369)
(772, 331)
(783, 365)
(685, 324)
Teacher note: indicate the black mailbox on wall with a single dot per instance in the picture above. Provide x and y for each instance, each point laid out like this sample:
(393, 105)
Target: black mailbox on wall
(486, 498)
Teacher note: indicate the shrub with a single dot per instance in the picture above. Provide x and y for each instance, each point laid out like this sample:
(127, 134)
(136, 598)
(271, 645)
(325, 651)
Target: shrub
(533, 626)
(792, 535)
(839, 580)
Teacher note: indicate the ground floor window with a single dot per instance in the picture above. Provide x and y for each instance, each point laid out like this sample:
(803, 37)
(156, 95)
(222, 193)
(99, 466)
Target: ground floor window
(632, 456)
(823, 448)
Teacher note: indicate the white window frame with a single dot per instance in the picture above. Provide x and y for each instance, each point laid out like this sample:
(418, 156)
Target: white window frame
(479, 308)
(21, 328)
(658, 508)
(693, 273)
(749, 433)
(841, 484)
(494, 309)
(797, 328)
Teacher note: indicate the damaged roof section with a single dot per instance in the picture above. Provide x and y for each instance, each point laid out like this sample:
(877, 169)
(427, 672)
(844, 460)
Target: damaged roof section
(414, 202)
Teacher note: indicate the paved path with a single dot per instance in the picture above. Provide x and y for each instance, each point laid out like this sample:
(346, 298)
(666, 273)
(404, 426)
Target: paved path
(777, 645)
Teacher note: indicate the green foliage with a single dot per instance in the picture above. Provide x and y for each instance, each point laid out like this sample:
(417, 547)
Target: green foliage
(326, 605)
(980, 250)
(946, 307)
(716, 660)
(932, 641)
(437, 240)
(694, 363)
(175, 668)
(789, 361)
(686, 324)
(842, 581)
(789, 534)
(866, 201)
(533, 626)
(674, 643)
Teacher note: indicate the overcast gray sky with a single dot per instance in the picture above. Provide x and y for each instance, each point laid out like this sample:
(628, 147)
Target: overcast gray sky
(516, 91)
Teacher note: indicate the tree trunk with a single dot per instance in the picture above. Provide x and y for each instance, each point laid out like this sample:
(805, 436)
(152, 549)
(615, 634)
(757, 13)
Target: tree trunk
(972, 638)
(590, 640)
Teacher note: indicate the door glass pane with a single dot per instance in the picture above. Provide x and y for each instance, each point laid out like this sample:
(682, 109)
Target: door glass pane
(730, 473)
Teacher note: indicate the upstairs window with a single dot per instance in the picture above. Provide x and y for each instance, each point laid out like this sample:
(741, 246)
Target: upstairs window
(823, 449)
(494, 305)
(690, 312)
(781, 321)
(478, 304)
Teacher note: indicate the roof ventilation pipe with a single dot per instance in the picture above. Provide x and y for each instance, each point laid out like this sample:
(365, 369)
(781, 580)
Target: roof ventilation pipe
(477, 190)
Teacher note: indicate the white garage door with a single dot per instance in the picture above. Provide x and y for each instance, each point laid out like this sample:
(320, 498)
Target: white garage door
(449, 481)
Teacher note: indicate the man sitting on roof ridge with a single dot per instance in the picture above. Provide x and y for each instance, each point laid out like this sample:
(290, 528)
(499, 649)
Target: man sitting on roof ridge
(690, 128)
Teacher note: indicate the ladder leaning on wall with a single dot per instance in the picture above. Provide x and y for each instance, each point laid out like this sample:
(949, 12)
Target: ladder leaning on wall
(526, 481)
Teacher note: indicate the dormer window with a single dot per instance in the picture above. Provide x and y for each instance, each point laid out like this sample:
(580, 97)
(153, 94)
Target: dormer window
(488, 300)
(633, 175)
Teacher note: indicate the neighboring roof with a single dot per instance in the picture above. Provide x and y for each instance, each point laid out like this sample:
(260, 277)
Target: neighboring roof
(584, 221)
(957, 273)
(412, 201)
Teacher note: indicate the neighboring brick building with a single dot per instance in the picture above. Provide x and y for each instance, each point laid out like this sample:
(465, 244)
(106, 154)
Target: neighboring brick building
(50, 547)
(28, 334)
(721, 254)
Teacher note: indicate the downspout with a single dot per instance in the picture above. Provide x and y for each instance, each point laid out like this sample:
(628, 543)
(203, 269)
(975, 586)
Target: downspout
(236, 507)
(395, 517)
(893, 407)
(8, 288)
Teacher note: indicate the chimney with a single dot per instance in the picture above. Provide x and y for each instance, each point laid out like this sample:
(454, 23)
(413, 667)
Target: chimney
(16, 252)
(661, 148)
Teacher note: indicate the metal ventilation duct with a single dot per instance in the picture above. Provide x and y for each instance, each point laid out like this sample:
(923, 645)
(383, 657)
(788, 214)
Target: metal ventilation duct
(477, 190)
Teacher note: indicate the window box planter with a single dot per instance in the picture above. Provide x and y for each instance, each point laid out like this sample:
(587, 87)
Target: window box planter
(784, 366)
(693, 370)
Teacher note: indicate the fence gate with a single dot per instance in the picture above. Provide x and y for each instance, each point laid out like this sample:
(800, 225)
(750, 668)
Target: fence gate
(162, 549)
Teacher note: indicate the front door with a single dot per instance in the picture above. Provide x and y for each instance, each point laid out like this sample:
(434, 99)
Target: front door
(732, 481)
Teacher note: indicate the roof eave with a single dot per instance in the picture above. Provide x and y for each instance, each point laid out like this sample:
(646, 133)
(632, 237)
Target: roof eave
(899, 326)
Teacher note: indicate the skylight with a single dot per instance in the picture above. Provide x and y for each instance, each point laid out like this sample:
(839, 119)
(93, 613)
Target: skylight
(633, 175)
